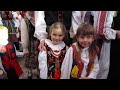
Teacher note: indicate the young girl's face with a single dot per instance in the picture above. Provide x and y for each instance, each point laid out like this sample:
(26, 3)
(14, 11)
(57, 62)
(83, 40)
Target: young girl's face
(56, 35)
(85, 41)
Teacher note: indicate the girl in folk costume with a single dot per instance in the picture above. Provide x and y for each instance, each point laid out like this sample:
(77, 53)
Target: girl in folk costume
(60, 16)
(8, 56)
(50, 60)
(81, 60)
(102, 21)
(50, 17)
(79, 17)
(29, 42)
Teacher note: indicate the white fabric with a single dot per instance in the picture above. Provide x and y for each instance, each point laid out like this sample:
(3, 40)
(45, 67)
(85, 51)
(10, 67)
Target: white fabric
(1, 66)
(24, 36)
(68, 60)
(78, 19)
(42, 57)
(1, 20)
(40, 25)
(55, 47)
(104, 61)
(109, 33)
(14, 13)
(17, 19)
(4, 36)
(3, 42)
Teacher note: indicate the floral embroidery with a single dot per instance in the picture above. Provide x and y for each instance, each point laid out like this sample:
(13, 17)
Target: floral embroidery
(75, 71)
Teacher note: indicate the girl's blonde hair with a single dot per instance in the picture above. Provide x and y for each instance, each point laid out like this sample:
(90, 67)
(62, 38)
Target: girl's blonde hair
(57, 25)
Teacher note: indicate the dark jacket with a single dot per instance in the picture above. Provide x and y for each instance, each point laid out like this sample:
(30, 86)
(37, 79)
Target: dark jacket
(62, 16)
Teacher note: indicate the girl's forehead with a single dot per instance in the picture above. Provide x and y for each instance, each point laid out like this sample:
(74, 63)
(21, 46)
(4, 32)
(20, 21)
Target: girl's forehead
(57, 30)
(86, 35)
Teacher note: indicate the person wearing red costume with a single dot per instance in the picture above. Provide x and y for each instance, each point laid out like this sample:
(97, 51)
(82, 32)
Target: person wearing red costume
(8, 56)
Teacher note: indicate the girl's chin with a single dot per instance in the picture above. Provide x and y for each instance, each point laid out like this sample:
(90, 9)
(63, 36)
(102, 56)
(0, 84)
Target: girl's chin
(55, 43)
(84, 46)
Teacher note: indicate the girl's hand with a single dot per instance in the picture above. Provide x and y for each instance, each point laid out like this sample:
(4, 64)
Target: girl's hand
(42, 45)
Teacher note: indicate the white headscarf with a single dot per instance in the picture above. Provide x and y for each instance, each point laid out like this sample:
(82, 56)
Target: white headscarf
(3, 35)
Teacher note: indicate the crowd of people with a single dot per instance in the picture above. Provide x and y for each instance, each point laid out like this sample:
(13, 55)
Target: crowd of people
(59, 44)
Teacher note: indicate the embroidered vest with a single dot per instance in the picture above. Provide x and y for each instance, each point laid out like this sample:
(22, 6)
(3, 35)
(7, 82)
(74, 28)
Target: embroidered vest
(54, 62)
(78, 65)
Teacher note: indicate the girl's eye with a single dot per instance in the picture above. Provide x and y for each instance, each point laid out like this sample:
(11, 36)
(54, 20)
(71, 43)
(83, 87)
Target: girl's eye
(54, 34)
(89, 36)
(60, 35)
(81, 36)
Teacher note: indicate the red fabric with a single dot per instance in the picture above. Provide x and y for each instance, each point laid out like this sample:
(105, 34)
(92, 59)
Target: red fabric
(22, 14)
(14, 64)
(57, 74)
(51, 60)
(55, 60)
(9, 60)
(16, 17)
(103, 15)
(17, 67)
(77, 57)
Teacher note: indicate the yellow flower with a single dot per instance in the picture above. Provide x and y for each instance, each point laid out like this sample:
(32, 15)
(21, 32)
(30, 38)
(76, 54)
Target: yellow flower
(92, 66)
(74, 72)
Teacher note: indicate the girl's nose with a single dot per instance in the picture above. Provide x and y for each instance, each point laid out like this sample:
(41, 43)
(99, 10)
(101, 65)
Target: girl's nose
(57, 37)
(85, 39)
